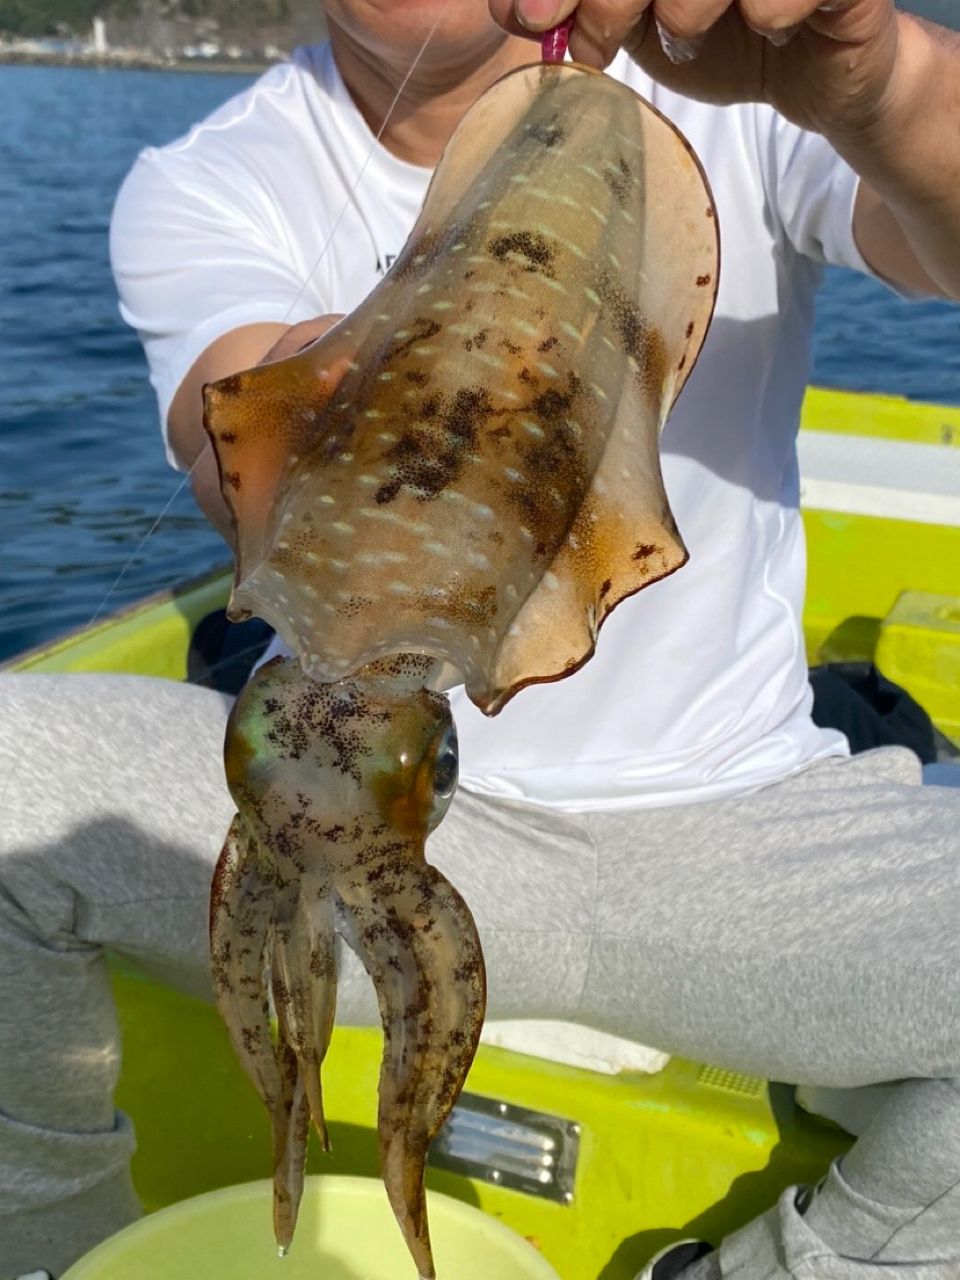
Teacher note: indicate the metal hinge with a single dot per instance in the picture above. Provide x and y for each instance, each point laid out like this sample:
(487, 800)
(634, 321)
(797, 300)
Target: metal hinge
(509, 1146)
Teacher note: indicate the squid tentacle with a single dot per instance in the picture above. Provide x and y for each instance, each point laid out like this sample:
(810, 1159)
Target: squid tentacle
(242, 906)
(305, 992)
(241, 911)
(291, 1128)
(419, 944)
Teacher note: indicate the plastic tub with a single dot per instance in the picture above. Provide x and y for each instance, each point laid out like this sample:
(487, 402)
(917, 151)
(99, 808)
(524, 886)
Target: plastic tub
(346, 1231)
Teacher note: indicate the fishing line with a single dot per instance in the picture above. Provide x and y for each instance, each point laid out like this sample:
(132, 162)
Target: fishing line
(369, 156)
(310, 274)
(324, 249)
(111, 590)
(140, 545)
(97, 614)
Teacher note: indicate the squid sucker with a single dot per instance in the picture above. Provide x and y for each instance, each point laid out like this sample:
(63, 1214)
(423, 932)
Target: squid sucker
(456, 484)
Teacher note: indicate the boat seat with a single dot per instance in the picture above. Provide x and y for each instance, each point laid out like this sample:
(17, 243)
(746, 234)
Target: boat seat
(869, 476)
(573, 1046)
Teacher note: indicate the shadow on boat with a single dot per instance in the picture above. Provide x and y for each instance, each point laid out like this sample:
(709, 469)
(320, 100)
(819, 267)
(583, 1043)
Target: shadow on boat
(747, 1195)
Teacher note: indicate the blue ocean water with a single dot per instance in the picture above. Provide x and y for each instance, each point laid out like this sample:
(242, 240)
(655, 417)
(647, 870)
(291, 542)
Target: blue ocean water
(82, 475)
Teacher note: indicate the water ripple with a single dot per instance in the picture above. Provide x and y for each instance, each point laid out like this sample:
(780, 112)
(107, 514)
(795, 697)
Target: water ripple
(82, 476)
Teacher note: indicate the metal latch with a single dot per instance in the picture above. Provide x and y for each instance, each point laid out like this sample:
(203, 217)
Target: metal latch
(510, 1146)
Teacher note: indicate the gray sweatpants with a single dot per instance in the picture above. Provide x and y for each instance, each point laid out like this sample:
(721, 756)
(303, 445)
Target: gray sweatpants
(807, 932)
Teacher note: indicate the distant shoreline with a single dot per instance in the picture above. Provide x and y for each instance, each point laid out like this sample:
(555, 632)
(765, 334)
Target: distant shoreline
(130, 62)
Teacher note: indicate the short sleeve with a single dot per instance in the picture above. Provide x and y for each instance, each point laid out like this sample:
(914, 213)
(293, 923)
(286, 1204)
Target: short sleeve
(815, 191)
(193, 259)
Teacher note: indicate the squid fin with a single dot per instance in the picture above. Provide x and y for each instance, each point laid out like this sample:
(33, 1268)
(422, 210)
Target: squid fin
(259, 421)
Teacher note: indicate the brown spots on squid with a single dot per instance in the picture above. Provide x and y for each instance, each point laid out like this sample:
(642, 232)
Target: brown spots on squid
(477, 340)
(551, 405)
(619, 178)
(356, 605)
(547, 132)
(639, 339)
(432, 451)
(537, 252)
(468, 606)
(418, 256)
(644, 551)
(421, 330)
(323, 717)
(413, 667)
(555, 466)
(703, 281)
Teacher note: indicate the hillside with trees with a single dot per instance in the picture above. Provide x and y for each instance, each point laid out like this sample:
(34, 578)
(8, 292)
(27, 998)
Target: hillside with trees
(165, 26)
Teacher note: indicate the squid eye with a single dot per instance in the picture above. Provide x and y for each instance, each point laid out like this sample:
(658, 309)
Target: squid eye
(445, 771)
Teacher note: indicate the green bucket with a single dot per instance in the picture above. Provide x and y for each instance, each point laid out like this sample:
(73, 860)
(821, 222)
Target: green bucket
(346, 1231)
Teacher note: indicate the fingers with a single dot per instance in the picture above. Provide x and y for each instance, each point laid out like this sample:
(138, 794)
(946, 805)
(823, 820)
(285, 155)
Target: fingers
(682, 25)
(600, 27)
(530, 17)
(846, 21)
(776, 19)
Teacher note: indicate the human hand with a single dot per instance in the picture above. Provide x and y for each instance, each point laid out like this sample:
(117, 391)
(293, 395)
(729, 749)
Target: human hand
(833, 67)
(299, 336)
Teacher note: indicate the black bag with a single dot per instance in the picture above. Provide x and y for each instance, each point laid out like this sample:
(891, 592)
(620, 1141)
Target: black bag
(222, 653)
(870, 709)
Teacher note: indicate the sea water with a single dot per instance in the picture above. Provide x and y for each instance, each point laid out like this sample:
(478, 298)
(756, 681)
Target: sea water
(82, 472)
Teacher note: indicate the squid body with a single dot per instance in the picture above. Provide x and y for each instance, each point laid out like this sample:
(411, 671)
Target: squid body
(456, 484)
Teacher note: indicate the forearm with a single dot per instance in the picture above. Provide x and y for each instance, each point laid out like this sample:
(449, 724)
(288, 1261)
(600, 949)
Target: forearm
(235, 351)
(192, 449)
(910, 154)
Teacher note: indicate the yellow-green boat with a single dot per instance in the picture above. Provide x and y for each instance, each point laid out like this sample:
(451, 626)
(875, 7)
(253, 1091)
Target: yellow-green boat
(600, 1152)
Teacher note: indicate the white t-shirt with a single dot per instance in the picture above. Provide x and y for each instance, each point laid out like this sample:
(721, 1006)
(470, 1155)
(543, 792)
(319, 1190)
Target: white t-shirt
(281, 206)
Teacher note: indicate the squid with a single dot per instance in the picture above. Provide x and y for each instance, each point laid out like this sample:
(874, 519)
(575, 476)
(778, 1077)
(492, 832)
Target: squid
(456, 484)
(337, 786)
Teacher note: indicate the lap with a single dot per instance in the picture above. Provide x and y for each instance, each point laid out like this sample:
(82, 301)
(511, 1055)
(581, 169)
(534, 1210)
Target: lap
(115, 813)
(806, 931)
